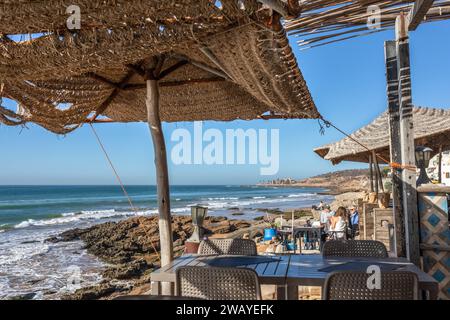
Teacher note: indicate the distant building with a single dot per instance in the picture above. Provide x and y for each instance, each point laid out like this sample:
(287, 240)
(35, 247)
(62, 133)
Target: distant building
(433, 168)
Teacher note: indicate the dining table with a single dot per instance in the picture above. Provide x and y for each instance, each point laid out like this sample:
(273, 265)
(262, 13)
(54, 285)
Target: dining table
(289, 271)
(313, 269)
(314, 235)
(270, 269)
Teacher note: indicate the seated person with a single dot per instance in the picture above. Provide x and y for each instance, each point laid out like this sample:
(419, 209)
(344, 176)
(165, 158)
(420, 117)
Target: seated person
(325, 216)
(338, 224)
(354, 222)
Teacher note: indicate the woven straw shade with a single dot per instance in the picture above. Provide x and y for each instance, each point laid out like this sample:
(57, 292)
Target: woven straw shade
(431, 129)
(226, 63)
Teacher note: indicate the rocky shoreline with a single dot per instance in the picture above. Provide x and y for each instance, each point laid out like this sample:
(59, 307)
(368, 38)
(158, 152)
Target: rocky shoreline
(129, 249)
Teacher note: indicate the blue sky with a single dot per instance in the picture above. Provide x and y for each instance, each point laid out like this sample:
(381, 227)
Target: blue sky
(347, 82)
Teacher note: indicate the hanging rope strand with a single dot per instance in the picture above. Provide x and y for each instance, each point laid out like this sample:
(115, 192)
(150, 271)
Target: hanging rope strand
(112, 167)
(120, 181)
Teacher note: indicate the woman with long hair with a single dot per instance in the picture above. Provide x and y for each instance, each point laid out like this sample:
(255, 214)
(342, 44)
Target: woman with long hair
(338, 224)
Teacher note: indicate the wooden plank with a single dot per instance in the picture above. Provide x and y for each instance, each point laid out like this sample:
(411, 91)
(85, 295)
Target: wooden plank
(368, 220)
(381, 231)
(162, 176)
(417, 13)
(409, 192)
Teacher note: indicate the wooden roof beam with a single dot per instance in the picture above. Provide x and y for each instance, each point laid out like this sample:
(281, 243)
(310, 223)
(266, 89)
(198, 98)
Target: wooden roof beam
(417, 13)
(171, 69)
(137, 69)
(113, 94)
(140, 86)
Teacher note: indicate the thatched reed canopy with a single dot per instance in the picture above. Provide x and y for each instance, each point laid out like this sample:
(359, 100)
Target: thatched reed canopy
(327, 21)
(431, 129)
(225, 62)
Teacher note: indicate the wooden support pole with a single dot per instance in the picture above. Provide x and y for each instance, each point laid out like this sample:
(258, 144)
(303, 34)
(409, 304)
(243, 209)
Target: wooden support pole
(371, 173)
(410, 211)
(380, 179)
(374, 159)
(440, 165)
(378, 174)
(390, 53)
(162, 175)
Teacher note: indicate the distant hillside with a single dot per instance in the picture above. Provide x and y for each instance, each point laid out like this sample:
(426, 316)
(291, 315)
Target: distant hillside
(336, 182)
(339, 181)
(343, 173)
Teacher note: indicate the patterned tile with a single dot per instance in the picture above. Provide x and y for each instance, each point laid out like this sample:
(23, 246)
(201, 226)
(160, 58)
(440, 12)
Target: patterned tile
(433, 220)
(434, 230)
(439, 275)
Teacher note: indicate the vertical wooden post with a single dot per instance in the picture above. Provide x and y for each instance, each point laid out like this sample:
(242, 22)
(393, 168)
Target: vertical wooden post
(390, 54)
(374, 160)
(407, 142)
(377, 173)
(371, 173)
(380, 178)
(440, 165)
(162, 175)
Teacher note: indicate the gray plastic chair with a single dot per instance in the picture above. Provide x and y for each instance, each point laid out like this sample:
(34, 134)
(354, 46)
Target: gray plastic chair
(228, 247)
(214, 283)
(349, 285)
(354, 248)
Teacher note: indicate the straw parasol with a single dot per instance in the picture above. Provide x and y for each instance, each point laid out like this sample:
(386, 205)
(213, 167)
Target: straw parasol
(431, 129)
(217, 63)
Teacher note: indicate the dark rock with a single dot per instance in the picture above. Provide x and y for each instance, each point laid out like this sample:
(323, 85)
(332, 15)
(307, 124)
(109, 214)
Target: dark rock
(131, 270)
(25, 296)
(95, 292)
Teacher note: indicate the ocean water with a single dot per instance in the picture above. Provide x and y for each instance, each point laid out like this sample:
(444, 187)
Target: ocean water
(33, 268)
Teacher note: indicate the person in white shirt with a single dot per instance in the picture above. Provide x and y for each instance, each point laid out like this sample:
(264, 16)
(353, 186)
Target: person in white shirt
(325, 216)
(338, 224)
